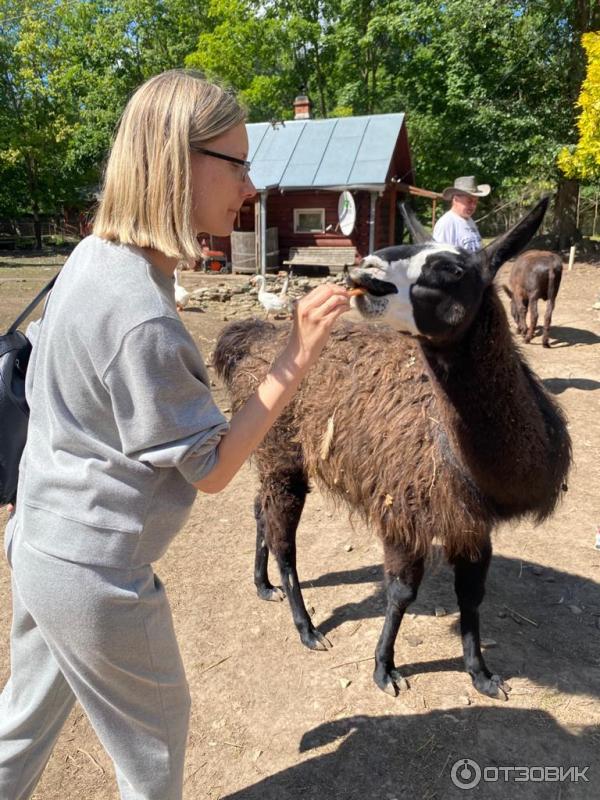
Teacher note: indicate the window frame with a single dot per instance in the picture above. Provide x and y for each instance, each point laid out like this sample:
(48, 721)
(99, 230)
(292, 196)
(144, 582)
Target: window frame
(299, 211)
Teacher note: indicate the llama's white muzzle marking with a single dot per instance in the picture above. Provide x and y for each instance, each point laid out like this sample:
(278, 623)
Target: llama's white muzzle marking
(394, 309)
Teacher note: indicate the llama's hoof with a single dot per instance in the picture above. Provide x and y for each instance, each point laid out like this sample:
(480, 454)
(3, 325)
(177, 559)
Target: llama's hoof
(545, 344)
(391, 682)
(493, 686)
(273, 593)
(314, 640)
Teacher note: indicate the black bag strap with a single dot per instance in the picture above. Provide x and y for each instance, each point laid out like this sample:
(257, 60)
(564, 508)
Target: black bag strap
(24, 314)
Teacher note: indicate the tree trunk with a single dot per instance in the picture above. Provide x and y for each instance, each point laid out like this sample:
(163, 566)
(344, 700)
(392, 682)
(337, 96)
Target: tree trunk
(585, 16)
(588, 15)
(320, 81)
(31, 168)
(565, 228)
(37, 226)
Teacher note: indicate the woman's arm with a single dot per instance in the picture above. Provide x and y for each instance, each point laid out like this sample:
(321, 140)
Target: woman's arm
(313, 320)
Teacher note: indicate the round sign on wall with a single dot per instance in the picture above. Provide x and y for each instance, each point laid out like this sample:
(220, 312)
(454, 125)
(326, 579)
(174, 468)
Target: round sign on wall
(346, 213)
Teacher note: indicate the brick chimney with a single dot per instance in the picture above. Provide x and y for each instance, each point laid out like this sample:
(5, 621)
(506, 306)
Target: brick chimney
(302, 107)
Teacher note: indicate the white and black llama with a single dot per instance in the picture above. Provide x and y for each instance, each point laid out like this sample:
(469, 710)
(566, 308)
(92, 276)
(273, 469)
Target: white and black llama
(440, 434)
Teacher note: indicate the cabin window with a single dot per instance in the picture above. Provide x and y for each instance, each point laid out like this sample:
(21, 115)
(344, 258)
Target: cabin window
(309, 220)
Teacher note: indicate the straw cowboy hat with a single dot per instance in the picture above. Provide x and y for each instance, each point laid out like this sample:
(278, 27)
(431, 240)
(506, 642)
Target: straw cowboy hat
(466, 185)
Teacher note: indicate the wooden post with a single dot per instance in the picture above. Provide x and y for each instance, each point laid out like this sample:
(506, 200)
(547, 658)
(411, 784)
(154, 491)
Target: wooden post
(263, 233)
(372, 210)
(433, 207)
(595, 216)
(257, 233)
(571, 257)
(392, 216)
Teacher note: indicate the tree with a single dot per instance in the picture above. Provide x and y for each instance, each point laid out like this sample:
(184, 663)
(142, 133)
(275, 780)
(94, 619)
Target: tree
(66, 71)
(583, 160)
(488, 88)
(268, 53)
(482, 83)
(35, 120)
(578, 18)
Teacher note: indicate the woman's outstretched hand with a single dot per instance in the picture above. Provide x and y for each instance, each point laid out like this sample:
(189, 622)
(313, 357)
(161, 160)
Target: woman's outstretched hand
(314, 317)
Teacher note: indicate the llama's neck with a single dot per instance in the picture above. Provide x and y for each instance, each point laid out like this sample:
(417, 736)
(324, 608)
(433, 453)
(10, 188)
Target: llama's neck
(503, 429)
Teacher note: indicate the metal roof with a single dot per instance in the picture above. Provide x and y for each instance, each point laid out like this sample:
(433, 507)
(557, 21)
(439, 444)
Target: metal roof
(338, 153)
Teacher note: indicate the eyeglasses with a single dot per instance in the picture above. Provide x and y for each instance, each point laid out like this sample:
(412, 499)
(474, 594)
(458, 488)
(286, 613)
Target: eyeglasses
(245, 164)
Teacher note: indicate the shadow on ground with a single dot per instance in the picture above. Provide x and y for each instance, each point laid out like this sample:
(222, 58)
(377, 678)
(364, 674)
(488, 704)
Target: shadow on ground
(546, 622)
(412, 756)
(559, 385)
(562, 336)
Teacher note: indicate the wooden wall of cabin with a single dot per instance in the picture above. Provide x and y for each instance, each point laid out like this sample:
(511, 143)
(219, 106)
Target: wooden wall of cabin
(280, 214)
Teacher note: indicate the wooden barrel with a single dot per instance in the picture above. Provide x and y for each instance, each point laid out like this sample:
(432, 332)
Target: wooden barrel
(243, 251)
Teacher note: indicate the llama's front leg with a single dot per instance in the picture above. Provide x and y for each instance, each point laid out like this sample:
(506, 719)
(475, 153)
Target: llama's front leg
(469, 583)
(282, 506)
(403, 576)
(264, 587)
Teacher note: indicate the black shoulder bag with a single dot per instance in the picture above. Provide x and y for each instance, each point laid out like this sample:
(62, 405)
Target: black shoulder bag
(15, 349)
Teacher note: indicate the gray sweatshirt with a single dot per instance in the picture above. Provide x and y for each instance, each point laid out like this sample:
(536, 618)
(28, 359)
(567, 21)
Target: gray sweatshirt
(122, 418)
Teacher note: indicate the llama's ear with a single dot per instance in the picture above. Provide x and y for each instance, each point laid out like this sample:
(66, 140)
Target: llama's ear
(513, 241)
(418, 234)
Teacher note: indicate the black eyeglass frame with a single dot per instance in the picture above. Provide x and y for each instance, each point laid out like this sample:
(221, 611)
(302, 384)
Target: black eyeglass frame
(233, 159)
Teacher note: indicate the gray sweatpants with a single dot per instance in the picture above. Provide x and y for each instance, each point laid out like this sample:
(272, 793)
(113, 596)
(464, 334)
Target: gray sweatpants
(104, 637)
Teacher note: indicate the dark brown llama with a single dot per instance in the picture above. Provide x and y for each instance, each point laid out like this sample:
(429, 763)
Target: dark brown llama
(440, 434)
(534, 276)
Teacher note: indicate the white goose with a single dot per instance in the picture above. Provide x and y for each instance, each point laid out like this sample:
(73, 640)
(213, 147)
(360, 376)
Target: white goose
(182, 296)
(271, 302)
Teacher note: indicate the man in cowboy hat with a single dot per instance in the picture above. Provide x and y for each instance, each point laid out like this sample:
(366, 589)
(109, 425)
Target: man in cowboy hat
(456, 226)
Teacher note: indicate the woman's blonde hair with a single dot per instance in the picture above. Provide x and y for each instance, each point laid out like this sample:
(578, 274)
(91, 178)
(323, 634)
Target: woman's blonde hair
(147, 194)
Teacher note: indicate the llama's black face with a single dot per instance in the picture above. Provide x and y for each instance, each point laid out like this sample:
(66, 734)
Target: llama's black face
(434, 290)
(430, 290)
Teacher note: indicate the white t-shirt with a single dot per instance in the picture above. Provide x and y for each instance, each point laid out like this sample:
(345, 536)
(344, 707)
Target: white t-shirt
(453, 229)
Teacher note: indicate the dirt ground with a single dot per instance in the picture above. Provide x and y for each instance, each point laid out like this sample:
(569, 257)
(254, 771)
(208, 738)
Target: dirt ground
(272, 720)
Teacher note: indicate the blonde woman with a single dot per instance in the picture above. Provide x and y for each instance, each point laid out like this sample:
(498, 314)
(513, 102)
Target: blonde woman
(123, 432)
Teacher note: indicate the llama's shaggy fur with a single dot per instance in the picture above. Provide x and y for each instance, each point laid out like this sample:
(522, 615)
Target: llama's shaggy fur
(424, 439)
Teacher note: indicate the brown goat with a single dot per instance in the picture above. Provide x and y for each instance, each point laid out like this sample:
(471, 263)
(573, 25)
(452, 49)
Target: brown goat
(534, 276)
(437, 435)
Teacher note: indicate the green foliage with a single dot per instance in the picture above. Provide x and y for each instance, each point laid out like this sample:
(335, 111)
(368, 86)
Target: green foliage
(268, 53)
(488, 87)
(583, 161)
(66, 71)
(483, 86)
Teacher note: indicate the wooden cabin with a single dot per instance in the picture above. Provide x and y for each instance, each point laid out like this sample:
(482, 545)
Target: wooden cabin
(300, 168)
